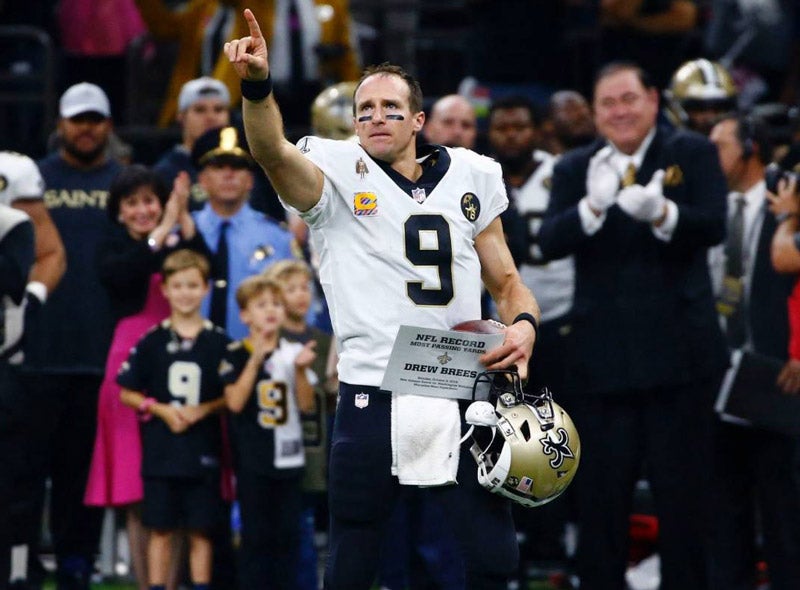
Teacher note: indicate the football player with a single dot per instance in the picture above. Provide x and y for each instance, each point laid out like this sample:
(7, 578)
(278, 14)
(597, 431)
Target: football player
(403, 238)
(16, 258)
(699, 94)
(332, 112)
(22, 187)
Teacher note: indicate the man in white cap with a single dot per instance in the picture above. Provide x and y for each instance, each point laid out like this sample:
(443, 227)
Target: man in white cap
(203, 104)
(68, 339)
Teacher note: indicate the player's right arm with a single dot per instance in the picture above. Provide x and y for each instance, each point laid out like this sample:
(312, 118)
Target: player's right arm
(51, 260)
(296, 179)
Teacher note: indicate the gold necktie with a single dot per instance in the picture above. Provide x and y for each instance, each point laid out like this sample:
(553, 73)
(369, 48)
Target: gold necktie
(629, 178)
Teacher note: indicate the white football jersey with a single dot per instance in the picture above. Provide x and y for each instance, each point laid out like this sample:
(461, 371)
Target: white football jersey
(19, 178)
(11, 314)
(553, 281)
(289, 435)
(387, 259)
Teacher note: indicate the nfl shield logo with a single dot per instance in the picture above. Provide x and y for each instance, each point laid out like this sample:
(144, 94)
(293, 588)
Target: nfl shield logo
(362, 400)
(418, 194)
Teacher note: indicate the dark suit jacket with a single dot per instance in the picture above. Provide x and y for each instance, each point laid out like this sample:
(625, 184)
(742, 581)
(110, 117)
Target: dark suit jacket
(767, 312)
(643, 314)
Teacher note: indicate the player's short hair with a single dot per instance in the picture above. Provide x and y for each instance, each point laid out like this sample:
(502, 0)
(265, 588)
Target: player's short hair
(388, 69)
(182, 260)
(129, 180)
(281, 271)
(255, 285)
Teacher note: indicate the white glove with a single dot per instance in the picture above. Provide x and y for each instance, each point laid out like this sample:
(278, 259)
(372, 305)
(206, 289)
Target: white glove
(602, 181)
(645, 203)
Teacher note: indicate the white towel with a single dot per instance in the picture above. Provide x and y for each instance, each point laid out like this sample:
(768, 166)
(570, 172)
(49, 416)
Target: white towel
(425, 439)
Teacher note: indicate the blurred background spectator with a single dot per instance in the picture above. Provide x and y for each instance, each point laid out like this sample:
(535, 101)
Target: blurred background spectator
(309, 40)
(69, 338)
(95, 35)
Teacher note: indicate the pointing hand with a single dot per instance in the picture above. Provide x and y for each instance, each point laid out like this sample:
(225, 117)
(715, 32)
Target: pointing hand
(248, 55)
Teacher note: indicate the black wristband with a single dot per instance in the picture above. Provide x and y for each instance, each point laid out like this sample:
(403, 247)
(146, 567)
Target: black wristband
(255, 90)
(527, 317)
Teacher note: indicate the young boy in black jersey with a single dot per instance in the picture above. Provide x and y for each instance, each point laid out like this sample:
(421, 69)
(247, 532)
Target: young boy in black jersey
(268, 384)
(172, 375)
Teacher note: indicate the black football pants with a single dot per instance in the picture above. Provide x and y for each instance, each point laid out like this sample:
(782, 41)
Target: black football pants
(362, 494)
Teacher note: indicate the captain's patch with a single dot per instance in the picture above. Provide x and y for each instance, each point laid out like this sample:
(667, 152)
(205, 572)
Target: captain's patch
(365, 204)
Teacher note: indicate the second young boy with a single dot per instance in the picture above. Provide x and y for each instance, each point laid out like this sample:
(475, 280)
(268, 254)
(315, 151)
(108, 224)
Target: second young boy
(268, 384)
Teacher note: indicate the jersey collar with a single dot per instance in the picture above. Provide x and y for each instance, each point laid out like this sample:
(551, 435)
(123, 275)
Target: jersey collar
(435, 162)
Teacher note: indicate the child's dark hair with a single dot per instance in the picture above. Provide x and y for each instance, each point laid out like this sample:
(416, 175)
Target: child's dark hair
(183, 260)
(129, 180)
(255, 285)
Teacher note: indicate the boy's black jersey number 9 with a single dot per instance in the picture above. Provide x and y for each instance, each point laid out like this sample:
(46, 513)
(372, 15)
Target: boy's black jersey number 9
(441, 257)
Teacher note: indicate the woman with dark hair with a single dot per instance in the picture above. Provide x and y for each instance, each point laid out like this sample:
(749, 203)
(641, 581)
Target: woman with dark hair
(150, 222)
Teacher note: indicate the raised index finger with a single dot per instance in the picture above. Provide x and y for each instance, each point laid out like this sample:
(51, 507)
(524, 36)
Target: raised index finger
(252, 23)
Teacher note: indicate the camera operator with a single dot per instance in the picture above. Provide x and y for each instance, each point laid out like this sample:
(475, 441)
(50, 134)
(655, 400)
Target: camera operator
(784, 202)
(782, 123)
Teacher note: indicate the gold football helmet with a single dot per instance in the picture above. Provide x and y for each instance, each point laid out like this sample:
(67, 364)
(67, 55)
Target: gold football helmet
(699, 85)
(526, 446)
(332, 112)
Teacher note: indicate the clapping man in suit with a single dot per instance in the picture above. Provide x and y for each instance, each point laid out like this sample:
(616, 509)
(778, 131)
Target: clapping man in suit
(638, 209)
(753, 468)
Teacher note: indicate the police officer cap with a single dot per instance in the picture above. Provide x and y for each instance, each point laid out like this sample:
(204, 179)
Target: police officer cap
(223, 145)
